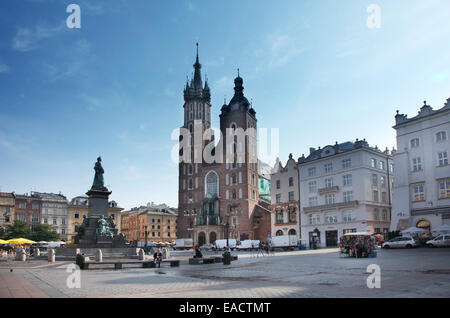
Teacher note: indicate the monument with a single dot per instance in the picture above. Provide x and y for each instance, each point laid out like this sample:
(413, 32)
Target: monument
(98, 229)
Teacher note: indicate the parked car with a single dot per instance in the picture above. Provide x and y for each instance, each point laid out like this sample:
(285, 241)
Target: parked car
(440, 241)
(400, 241)
(207, 247)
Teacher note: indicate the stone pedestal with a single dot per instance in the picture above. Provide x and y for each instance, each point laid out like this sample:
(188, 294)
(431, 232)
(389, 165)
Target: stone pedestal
(98, 202)
(21, 255)
(37, 252)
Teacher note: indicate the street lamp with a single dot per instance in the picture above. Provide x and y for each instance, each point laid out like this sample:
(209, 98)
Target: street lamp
(146, 236)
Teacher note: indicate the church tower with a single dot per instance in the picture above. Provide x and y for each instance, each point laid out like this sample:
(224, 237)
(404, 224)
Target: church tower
(197, 118)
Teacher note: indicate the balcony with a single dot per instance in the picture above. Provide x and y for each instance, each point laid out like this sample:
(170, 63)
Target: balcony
(331, 206)
(329, 190)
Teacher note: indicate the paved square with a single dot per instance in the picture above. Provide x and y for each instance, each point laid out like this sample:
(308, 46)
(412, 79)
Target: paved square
(418, 272)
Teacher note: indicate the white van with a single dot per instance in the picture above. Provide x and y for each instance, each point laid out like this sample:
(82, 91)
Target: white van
(221, 244)
(248, 245)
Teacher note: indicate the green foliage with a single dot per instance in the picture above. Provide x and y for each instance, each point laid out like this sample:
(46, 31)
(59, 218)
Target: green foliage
(2, 233)
(19, 229)
(44, 232)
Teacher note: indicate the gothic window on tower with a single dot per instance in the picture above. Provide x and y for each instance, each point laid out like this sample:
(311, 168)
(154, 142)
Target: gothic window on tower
(200, 111)
(190, 184)
(191, 112)
(234, 195)
(212, 183)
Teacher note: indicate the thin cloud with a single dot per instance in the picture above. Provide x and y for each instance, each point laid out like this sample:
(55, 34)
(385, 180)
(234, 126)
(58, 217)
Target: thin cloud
(28, 39)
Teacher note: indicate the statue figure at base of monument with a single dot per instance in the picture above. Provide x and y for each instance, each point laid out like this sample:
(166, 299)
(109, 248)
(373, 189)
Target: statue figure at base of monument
(103, 228)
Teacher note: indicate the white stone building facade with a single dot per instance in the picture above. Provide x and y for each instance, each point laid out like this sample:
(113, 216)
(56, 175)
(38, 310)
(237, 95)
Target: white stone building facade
(344, 188)
(55, 212)
(284, 196)
(422, 175)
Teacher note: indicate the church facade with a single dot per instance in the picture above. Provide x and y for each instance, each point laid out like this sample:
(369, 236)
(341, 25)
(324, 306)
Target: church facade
(219, 198)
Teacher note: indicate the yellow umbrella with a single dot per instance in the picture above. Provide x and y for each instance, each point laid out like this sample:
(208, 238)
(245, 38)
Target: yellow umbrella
(20, 241)
(3, 241)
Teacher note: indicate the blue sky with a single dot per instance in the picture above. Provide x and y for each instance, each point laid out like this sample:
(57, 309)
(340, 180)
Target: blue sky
(114, 87)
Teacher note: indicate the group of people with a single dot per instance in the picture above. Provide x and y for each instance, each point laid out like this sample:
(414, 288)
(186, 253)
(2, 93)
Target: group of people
(357, 246)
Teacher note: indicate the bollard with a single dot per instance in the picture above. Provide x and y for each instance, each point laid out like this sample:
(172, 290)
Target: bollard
(51, 255)
(141, 254)
(99, 256)
(37, 251)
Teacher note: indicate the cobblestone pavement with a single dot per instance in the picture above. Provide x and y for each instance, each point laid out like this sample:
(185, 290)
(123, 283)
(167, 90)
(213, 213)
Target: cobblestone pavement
(418, 272)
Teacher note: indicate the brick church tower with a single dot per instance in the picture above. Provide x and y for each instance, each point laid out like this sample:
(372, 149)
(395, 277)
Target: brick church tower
(219, 198)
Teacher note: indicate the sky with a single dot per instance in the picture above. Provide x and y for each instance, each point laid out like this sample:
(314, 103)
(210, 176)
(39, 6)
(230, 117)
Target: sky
(114, 87)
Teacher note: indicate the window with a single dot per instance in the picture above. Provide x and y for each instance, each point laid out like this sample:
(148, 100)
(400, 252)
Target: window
(383, 182)
(373, 163)
(278, 198)
(22, 217)
(279, 217)
(200, 111)
(328, 183)
(314, 218)
(76, 216)
(441, 136)
(374, 180)
(375, 196)
(63, 221)
(54, 221)
(348, 216)
(45, 221)
(376, 214)
(313, 201)
(347, 180)
(381, 165)
(190, 112)
(233, 179)
(312, 186)
(291, 196)
(385, 216)
(443, 158)
(391, 167)
(419, 194)
(348, 196)
(328, 167)
(311, 172)
(330, 199)
(331, 217)
(384, 197)
(415, 143)
(291, 182)
(278, 184)
(346, 163)
(211, 183)
(22, 205)
(35, 206)
(444, 189)
(417, 164)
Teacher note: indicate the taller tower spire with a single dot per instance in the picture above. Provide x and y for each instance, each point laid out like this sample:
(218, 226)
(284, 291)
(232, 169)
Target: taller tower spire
(197, 73)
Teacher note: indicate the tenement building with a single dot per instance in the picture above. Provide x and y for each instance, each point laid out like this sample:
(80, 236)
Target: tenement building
(155, 223)
(285, 203)
(422, 174)
(55, 212)
(219, 197)
(344, 188)
(7, 203)
(28, 209)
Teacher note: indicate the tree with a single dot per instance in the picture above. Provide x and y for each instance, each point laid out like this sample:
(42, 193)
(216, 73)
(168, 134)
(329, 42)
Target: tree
(44, 232)
(2, 233)
(18, 229)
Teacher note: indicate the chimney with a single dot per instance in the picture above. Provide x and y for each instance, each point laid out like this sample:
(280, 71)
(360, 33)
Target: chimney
(311, 150)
